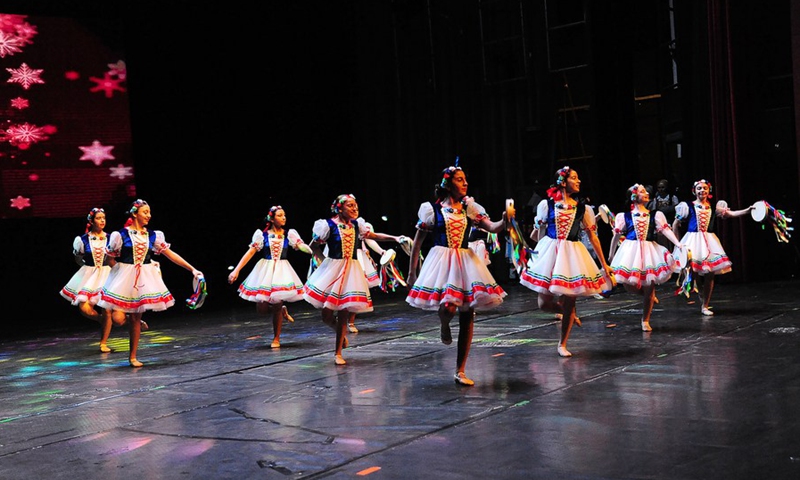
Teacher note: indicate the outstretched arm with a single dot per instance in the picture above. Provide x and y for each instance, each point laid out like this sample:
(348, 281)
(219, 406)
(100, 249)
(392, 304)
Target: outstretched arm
(245, 258)
(728, 213)
(372, 244)
(178, 260)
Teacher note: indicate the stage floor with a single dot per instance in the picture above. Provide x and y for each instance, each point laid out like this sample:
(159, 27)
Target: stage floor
(697, 398)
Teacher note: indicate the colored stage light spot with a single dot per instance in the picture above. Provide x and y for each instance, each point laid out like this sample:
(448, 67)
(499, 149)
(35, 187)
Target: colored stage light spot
(369, 390)
(611, 325)
(498, 354)
(367, 471)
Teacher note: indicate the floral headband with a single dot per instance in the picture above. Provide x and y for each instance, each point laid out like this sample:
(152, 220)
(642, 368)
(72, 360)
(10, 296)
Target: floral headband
(336, 206)
(703, 180)
(448, 173)
(554, 191)
(137, 204)
(93, 213)
(271, 214)
(90, 218)
(634, 191)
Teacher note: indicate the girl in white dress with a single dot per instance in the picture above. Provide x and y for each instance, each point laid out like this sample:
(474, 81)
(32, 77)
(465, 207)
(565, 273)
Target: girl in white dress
(273, 281)
(561, 265)
(83, 289)
(338, 286)
(708, 257)
(640, 262)
(134, 284)
(453, 278)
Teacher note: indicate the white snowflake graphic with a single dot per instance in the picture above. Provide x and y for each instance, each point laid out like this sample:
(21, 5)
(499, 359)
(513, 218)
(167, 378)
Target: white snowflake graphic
(25, 76)
(96, 152)
(20, 103)
(121, 171)
(9, 44)
(20, 202)
(25, 133)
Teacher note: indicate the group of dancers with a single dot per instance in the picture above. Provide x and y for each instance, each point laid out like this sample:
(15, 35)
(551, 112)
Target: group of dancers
(118, 274)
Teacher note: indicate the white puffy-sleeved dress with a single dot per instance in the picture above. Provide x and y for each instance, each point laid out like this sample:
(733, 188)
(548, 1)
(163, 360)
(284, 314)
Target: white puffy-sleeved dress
(87, 283)
(640, 260)
(339, 282)
(135, 283)
(706, 249)
(365, 258)
(452, 272)
(273, 279)
(561, 264)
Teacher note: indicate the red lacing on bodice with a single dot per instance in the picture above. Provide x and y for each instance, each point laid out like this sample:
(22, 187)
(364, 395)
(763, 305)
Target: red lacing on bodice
(703, 217)
(276, 245)
(455, 226)
(98, 255)
(641, 224)
(348, 235)
(564, 217)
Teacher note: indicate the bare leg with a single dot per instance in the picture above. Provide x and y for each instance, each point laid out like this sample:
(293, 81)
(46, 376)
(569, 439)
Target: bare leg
(329, 319)
(649, 294)
(105, 330)
(88, 311)
(446, 313)
(134, 332)
(341, 335)
(708, 287)
(566, 325)
(277, 324)
(466, 325)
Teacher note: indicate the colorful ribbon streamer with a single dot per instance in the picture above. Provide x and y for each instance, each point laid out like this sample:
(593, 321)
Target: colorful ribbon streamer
(199, 296)
(686, 282)
(391, 277)
(779, 220)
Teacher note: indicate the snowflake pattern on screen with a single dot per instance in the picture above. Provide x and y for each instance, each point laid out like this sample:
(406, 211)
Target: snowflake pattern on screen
(25, 133)
(96, 152)
(25, 76)
(20, 202)
(107, 85)
(9, 45)
(119, 70)
(121, 171)
(16, 26)
(20, 103)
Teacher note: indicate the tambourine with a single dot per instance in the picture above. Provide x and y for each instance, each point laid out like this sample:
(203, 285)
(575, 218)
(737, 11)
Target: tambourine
(759, 211)
(200, 293)
(388, 256)
(511, 213)
(605, 214)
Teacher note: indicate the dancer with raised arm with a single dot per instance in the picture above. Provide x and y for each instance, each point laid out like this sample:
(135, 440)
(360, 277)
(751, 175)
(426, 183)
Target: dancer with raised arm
(453, 278)
(699, 218)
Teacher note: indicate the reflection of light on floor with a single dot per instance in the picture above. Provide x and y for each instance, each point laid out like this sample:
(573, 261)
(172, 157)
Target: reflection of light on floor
(89, 438)
(351, 441)
(131, 445)
(369, 390)
(194, 450)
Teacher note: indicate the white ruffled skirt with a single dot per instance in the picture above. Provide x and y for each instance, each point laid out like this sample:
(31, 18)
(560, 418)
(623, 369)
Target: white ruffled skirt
(272, 281)
(368, 264)
(86, 285)
(338, 284)
(642, 263)
(563, 267)
(456, 276)
(136, 288)
(707, 253)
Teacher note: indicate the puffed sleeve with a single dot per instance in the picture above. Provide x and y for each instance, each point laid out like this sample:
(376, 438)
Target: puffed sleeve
(77, 246)
(257, 241)
(475, 211)
(661, 221)
(541, 214)
(294, 238)
(320, 231)
(425, 215)
(364, 228)
(619, 223)
(114, 244)
(589, 223)
(160, 244)
(682, 211)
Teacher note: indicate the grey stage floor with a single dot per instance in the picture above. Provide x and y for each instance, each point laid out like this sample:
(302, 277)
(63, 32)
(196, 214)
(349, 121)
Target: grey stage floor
(697, 398)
